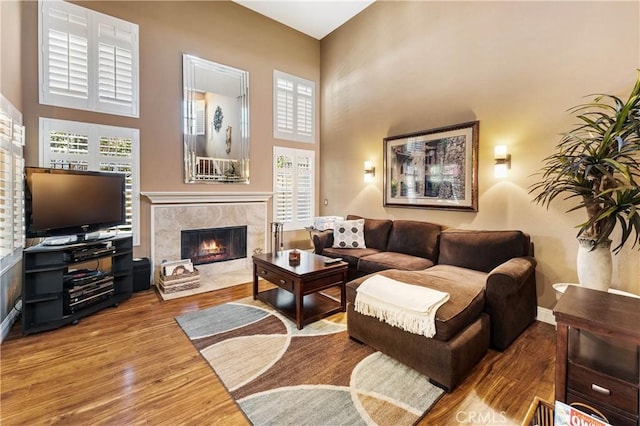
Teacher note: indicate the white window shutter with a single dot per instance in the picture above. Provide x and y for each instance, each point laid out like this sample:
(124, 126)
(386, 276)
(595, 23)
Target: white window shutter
(284, 107)
(87, 60)
(293, 187)
(64, 48)
(304, 111)
(283, 187)
(117, 43)
(304, 179)
(293, 108)
(11, 185)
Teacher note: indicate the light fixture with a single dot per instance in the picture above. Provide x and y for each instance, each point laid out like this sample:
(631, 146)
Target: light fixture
(502, 161)
(369, 171)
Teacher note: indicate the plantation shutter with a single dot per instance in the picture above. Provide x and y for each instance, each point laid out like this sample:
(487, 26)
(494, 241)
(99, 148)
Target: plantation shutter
(64, 63)
(117, 73)
(85, 146)
(88, 60)
(283, 187)
(293, 187)
(304, 190)
(11, 185)
(294, 112)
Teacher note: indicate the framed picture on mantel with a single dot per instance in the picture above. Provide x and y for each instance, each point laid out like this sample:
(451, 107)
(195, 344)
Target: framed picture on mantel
(433, 169)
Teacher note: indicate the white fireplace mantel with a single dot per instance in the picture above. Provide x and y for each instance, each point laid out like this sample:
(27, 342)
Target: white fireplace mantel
(206, 197)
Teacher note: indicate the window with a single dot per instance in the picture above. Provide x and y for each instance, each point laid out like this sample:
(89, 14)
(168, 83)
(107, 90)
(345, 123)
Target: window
(293, 108)
(86, 146)
(88, 60)
(11, 185)
(293, 187)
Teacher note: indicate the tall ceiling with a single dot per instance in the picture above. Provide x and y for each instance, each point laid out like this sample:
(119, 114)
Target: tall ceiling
(316, 18)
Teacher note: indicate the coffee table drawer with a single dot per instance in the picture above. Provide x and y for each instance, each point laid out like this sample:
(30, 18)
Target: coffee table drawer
(323, 282)
(276, 278)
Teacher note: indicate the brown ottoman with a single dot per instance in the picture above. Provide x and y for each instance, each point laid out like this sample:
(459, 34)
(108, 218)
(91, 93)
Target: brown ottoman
(462, 329)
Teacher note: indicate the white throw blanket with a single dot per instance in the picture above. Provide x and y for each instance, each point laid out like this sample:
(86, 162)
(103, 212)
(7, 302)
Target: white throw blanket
(406, 306)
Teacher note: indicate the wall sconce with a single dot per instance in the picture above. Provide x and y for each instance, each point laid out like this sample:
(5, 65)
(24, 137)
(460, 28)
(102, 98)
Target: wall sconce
(503, 161)
(369, 171)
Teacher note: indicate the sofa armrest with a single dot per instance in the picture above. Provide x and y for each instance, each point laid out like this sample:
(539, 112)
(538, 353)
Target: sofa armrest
(511, 299)
(508, 277)
(321, 240)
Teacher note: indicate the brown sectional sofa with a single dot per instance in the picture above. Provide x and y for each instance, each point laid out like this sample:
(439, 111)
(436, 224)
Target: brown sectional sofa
(489, 275)
(401, 244)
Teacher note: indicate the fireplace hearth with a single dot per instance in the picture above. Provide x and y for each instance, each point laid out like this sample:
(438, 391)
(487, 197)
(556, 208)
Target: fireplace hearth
(212, 245)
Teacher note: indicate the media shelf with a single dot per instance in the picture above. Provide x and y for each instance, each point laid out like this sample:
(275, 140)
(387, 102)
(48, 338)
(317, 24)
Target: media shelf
(43, 285)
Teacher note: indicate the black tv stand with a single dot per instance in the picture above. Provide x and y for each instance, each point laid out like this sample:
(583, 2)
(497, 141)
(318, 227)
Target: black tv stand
(46, 300)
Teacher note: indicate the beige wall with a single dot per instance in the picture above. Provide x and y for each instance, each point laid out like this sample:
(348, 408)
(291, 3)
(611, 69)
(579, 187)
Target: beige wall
(10, 43)
(397, 67)
(220, 31)
(401, 67)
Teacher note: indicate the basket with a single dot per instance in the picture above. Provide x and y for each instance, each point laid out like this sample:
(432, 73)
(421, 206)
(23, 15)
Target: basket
(174, 283)
(541, 412)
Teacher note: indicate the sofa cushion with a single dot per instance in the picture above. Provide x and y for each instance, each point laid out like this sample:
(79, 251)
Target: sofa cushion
(351, 256)
(349, 234)
(481, 250)
(376, 231)
(414, 238)
(392, 260)
(465, 288)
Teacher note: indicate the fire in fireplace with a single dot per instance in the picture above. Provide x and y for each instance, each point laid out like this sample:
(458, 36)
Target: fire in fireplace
(214, 244)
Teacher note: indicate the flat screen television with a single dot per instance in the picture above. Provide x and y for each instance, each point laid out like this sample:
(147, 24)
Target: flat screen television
(72, 203)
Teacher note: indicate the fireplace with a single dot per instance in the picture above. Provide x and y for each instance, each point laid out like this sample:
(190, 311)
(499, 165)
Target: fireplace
(212, 245)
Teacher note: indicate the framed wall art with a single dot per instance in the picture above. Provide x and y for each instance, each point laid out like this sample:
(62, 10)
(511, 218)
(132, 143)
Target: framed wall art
(435, 169)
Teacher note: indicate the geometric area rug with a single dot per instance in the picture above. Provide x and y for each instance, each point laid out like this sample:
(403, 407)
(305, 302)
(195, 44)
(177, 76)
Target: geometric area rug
(279, 375)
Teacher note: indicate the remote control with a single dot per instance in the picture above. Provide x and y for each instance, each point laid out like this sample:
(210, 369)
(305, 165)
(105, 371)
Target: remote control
(328, 260)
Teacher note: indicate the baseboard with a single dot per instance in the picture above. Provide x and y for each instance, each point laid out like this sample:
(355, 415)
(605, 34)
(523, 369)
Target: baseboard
(546, 315)
(10, 319)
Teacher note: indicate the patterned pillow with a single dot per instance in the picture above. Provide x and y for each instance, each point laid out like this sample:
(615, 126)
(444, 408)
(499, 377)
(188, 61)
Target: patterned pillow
(349, 234)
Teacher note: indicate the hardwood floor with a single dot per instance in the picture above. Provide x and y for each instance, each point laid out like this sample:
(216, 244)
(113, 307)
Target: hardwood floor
(134, 365)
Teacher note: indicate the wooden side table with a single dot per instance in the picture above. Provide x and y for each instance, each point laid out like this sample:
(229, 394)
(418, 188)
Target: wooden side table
(597, 352)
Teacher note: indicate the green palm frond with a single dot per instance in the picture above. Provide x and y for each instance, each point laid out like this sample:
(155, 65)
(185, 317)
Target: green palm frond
(596, 166)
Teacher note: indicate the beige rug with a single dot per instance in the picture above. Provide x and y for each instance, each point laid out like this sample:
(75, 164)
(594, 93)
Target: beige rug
(229, 279)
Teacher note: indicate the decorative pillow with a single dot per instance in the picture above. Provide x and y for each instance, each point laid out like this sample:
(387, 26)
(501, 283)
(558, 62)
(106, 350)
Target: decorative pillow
(349, 234)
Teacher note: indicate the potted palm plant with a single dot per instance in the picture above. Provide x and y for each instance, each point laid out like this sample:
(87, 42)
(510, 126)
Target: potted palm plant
(596, 166)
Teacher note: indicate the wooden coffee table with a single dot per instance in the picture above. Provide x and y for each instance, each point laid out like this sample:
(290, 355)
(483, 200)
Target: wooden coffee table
(297, 294)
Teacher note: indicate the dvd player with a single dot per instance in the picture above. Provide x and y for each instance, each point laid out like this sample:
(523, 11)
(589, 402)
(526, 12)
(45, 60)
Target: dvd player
(82, 277)
(82, 296)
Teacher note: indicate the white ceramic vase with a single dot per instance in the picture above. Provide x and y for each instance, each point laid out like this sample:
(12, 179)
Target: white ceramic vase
(594, 264)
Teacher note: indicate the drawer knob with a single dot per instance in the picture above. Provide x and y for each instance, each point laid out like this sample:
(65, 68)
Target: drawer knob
(600, 389)
(263, 272)
(283, 282)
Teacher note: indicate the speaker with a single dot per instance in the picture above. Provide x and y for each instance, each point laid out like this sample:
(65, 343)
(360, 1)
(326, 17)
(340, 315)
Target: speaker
(141, 274)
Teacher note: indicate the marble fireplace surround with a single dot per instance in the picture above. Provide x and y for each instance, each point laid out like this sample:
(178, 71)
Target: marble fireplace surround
(172, 212)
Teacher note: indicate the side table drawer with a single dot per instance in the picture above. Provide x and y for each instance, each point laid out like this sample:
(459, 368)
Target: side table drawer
(275, 277)
(599, 387)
